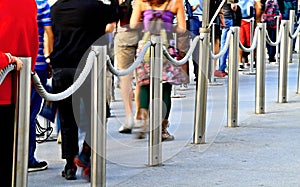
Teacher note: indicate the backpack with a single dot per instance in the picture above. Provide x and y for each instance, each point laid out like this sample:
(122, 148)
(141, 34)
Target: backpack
(125, 11)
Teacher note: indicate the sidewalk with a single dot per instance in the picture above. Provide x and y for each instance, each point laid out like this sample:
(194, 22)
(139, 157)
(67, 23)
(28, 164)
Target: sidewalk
(262, 151)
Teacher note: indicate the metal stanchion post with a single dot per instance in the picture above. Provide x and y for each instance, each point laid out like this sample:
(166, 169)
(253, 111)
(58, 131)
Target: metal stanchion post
(298, 86)
(155, 147)
(21, 134)
(212, 79)
(277, 32)
(260, 70)
(98, 126)
(251, 71)
(233, 79)
(212, 61)
(290, 40)
(283, 64)
(201, 92)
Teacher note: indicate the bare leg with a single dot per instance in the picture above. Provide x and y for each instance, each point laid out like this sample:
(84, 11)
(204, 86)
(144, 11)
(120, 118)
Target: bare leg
(127, 94)
(137, 102)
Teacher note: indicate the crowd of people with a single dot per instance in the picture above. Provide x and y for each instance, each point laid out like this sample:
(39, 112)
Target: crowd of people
(71, 27)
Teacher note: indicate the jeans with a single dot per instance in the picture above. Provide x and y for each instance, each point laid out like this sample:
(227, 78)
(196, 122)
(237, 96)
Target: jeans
(35, 106)
(222, 62)
(271, 49)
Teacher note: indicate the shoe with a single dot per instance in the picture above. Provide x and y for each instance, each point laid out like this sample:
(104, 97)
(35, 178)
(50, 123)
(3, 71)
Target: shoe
(85, 163)
(165, 135)
(183, 87)
(241, 67)
(272, 59)
(38, 166)
(69, 173)
(220, 73)
(125, 130)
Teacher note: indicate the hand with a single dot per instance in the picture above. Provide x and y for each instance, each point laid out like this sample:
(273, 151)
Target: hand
(49, 70)
(18, 62)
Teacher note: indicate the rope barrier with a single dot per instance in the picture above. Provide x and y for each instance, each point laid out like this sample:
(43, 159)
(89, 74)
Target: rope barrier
(270, 42)
(5, 71)
(224, 49)
(133, 66)
(186, 57)
(69, 91)
(293, 36)
(254, 42)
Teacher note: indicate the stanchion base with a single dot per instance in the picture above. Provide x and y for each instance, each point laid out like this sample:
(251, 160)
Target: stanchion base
(249, 73)
(215, 84)
(178, 96)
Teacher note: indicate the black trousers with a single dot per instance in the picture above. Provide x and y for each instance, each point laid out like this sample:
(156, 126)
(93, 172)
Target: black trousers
(74, 111)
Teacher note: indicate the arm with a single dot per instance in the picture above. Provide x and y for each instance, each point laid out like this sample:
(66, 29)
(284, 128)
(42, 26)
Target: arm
(136, 14)
(257, 6)
(180, 15)
(50, 40)
(7, 58)
(221, 16)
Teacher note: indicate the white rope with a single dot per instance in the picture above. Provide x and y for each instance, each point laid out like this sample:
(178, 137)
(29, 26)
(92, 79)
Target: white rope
(133, 66)
(186, 57)
(254, 42)
(225, 47)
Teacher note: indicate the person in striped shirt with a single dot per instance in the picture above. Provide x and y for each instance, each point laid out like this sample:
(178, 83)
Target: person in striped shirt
(43, 71)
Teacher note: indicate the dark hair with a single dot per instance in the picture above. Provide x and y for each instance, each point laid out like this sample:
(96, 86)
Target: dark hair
(155, 2)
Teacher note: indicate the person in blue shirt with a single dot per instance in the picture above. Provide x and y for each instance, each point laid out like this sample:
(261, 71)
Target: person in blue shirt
(42, 70)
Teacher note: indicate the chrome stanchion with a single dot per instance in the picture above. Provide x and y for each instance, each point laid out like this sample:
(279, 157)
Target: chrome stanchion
(155, 147)
(21, 134)
(290, 40)
(201, 92)
(260, 70)
(233, 77)
(277, 32)
(298, 85)
(212, 79)
(251, 71)
(283, 64)
(98, 126)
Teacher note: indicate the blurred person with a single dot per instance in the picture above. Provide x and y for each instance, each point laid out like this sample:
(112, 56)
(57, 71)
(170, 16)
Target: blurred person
(219, 23)
(285, 6)
(42, 69)
(77, 25)
(249, 9)
(227, 12)
(125, 45)
(19, 37)
(270, 12)
(163, 12)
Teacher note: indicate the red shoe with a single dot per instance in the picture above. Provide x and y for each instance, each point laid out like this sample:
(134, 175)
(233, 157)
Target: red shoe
(220, 73)
(85, 163)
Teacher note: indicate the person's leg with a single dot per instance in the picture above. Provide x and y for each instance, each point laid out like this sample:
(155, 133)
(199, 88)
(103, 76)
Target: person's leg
(243, 40)
(167, 89)
(125, 56)
(272, 49)
(144, 100)
(61, 80)
(7, 119)
(137, 102)
(222, 62)
(35, 105)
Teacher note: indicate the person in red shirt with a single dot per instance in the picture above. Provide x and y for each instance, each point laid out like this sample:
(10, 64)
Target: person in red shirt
(19, 37)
